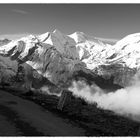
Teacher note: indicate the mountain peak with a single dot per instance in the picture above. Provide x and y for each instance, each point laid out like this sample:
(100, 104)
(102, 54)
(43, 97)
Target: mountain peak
(44, 36)
(78, 36)
(56, 31)
(129, 39)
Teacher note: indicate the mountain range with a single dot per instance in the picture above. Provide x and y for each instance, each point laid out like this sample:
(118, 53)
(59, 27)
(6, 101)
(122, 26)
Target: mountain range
(52, 61)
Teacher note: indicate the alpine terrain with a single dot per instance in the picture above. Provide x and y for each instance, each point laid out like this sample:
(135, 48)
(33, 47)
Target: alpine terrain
(40, 68)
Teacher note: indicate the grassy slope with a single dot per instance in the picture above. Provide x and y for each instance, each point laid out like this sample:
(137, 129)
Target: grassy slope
(95, 121)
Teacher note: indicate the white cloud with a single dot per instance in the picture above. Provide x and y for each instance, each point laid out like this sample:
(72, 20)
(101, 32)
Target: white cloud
(19, 11)
(108, 40)
(13, 36)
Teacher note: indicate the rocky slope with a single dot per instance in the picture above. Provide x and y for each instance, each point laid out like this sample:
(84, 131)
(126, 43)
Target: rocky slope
(123, 63)
(33, 62)
(54, 60)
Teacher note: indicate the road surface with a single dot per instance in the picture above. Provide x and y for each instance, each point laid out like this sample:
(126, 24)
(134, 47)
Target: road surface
(20, 117)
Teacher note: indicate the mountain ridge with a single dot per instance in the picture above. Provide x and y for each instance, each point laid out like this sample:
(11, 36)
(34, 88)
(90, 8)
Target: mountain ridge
(58, 57)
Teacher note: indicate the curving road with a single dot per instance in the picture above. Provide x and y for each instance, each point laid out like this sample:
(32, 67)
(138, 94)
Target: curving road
(19, 117)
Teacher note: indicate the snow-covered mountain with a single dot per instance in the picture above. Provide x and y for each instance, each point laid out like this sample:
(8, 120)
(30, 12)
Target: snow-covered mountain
(56, 57)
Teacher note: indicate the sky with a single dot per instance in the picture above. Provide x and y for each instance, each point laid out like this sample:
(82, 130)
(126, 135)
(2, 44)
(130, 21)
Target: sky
(100, 20)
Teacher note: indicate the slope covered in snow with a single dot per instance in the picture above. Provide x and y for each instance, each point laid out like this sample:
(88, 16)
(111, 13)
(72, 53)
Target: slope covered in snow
(128, 51)
(89, 49)
(124, 60)
(120, 61)
(57, 57)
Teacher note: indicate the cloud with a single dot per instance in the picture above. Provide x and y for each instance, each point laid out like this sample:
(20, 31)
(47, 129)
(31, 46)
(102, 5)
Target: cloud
(125, 101)
(108, 40)
(19, 11)
(13, 36)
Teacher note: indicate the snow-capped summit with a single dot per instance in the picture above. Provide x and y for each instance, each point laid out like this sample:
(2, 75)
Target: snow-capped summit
(78, 37)
(81, 37)
(63, 43)
(129, 39)
(123, 60)
(127, 51)
(43, 37)
(89, 49)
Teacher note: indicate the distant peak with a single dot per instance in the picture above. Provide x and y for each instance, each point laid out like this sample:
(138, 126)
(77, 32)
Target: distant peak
(134, 35)
(78, 36)
(57, 31)
(129, 39)
(44, 34)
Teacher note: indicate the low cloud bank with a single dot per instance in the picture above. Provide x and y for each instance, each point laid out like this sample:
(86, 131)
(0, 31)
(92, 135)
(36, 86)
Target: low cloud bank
(125, 101)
